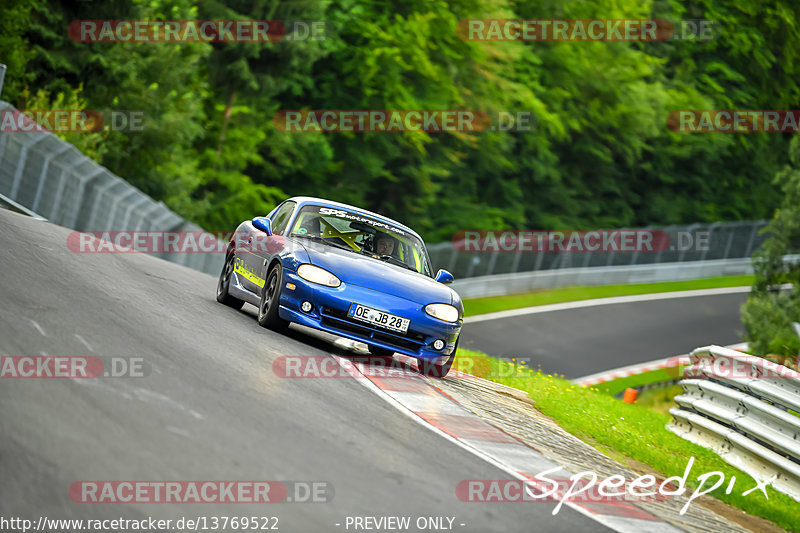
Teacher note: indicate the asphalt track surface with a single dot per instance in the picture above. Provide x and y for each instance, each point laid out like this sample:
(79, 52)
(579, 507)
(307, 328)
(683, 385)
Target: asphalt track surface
(583, 341)
(210, 408)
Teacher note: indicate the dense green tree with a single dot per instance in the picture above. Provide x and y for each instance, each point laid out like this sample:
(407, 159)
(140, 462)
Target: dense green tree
(15, 21)
(769, 312)
(600, 154)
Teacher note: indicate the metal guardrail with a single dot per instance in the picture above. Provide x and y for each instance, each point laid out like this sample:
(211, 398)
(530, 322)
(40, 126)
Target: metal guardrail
(2, 76)
(747, 410)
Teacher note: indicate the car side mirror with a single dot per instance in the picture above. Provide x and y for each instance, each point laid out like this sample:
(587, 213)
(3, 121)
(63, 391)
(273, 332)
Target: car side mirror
(443, 276)
(264, 224)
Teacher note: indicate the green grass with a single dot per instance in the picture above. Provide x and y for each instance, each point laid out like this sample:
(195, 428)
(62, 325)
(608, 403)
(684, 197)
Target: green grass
(661, 399)
(615, 386)
(630, 433)
(479, 306)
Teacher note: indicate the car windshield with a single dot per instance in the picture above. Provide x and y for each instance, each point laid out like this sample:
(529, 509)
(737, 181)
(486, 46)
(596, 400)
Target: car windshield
(361, 234)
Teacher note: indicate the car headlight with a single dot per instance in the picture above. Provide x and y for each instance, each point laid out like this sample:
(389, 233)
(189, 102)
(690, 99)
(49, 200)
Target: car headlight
(318, 275)
(445, 312)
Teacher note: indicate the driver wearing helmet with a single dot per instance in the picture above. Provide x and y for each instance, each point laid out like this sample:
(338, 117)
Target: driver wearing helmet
(384, 244)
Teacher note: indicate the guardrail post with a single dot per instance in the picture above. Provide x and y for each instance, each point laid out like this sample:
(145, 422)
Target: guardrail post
(515, 263)
(114, 203)
(492, 262)
(474, 260)
(587, 259)
(635, 254)
(130, 209)
(100, 192)
(43, 175)
(81, 194)
(453, 260)
(59, 192)
(539, 259)
(729, 244)
(23, 156)
(145, 214)
(688, 230)
(711, 229)
(3, 142)
(753, 234)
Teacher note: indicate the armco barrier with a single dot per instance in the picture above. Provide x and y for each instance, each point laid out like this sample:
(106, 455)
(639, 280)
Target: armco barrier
(46, 175)
(747, 410)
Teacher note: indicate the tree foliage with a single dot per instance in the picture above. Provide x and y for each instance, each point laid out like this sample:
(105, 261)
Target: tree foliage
(600, 154)
(769, 311)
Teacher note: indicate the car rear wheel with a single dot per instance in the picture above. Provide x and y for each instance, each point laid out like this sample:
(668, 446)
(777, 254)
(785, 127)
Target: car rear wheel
(428, 368)
(270, 300)
(224, 284)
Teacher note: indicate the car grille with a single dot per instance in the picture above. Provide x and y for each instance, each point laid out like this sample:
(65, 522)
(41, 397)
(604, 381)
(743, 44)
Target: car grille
(336, 318)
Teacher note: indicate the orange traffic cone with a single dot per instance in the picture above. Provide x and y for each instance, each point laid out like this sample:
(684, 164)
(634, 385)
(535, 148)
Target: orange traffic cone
(630, 395)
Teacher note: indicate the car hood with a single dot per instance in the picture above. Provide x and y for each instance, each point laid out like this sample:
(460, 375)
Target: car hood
(378, 275)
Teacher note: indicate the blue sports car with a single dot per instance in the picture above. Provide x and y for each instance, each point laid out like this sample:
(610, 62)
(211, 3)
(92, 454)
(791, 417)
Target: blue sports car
(349, 272)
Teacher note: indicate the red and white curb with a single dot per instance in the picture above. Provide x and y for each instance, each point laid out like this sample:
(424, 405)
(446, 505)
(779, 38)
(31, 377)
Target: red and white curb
(416, 397)
(641, 368)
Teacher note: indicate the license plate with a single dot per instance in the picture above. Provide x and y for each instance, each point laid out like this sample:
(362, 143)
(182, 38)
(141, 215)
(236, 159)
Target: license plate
(379, 318)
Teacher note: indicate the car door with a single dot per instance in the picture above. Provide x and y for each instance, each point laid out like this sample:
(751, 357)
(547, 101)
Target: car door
(261, 248)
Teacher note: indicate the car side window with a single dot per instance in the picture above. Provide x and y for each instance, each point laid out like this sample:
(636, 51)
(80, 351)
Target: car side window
(281, 218)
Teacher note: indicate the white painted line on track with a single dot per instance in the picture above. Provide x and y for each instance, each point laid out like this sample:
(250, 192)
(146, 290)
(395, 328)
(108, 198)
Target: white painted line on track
(83, 341)
(178, 431)
(38, 327)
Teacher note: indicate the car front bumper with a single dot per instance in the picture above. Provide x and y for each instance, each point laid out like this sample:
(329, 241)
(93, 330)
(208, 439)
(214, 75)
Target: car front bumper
(329, 313)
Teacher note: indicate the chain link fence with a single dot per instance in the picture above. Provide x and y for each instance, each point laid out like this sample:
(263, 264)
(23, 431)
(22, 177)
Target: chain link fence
(52, 178)
(721, 240)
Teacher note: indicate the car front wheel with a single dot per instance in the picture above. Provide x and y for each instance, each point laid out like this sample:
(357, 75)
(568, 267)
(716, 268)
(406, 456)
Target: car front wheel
(270, 300)
(434, 370)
